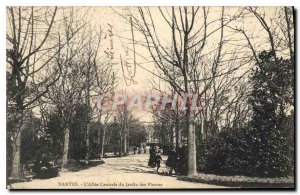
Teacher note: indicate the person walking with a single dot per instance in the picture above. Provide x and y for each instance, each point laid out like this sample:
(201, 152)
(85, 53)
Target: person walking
(151, 161)
(158, 160)
(134, 149)
(172, 161)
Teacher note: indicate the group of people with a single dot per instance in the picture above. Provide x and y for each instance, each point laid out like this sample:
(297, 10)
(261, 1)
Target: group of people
(177, 160)
(44, 168)
(138, 150)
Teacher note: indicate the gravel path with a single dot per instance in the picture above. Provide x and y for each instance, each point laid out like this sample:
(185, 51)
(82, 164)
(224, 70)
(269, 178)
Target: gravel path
(129, 172)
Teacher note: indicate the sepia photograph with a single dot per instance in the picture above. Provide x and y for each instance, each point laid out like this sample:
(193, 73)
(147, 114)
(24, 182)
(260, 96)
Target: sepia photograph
(160, 97)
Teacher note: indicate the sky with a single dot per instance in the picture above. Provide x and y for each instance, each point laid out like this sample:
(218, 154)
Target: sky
(118, 35)
(112, 23)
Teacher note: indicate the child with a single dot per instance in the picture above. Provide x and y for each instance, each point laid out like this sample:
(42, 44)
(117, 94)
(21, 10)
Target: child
(158, 159)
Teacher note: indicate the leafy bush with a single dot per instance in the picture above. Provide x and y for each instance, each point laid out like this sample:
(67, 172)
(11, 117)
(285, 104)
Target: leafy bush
(226, 153)
(233, 152)
(265, 147)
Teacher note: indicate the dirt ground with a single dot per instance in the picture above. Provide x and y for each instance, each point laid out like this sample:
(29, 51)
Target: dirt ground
(130, 172)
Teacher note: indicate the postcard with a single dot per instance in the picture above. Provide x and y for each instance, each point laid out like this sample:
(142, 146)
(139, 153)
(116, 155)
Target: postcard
(150, 97)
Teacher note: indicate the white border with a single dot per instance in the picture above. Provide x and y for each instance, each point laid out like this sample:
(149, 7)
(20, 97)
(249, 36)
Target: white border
(152, 3)
(5, 3)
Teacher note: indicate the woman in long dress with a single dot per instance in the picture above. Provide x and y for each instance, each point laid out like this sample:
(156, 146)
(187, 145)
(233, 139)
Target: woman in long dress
(151, 161)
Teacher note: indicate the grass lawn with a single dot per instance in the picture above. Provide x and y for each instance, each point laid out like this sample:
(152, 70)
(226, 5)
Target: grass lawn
(241, 181)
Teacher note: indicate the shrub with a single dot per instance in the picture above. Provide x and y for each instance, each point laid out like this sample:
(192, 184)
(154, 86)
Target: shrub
(234, 152)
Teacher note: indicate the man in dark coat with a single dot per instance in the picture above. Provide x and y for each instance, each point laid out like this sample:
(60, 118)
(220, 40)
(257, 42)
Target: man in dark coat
(152, 152)
(182, 155)
(172, 161)
(134, 149)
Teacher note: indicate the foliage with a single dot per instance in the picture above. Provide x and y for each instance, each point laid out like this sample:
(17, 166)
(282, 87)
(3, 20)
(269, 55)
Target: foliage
(263, 148)
(227, 153)
(77, 133)
(137, 133)
(269, 136)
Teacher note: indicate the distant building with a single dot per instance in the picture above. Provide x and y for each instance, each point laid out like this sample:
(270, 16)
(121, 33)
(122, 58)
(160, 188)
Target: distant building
(150, 134)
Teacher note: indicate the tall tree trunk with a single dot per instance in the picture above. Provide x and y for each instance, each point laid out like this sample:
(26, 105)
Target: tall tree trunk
(203, 130)
(121, 144)
(191, 144)
(16, 171)
(174, 137)
(125, 128)
(178, 135)
(99, 140)
(88, 114)
(125, 142)
(16, 164)
(66, 148)
(103, 140)
(87, 143)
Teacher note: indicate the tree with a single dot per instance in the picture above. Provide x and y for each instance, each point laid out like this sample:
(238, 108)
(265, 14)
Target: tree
(137, 135)
(277, 28)
(270, 151)
(180, 56)
(168, 126)
(68, 91)
(99, 79)
(77, 139)
(84, 74)
(65, 95)
(123, 118)
(107, 116)
(32, 45)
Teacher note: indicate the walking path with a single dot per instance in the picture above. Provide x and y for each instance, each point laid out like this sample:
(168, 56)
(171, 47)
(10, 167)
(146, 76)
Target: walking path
(130, 172)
